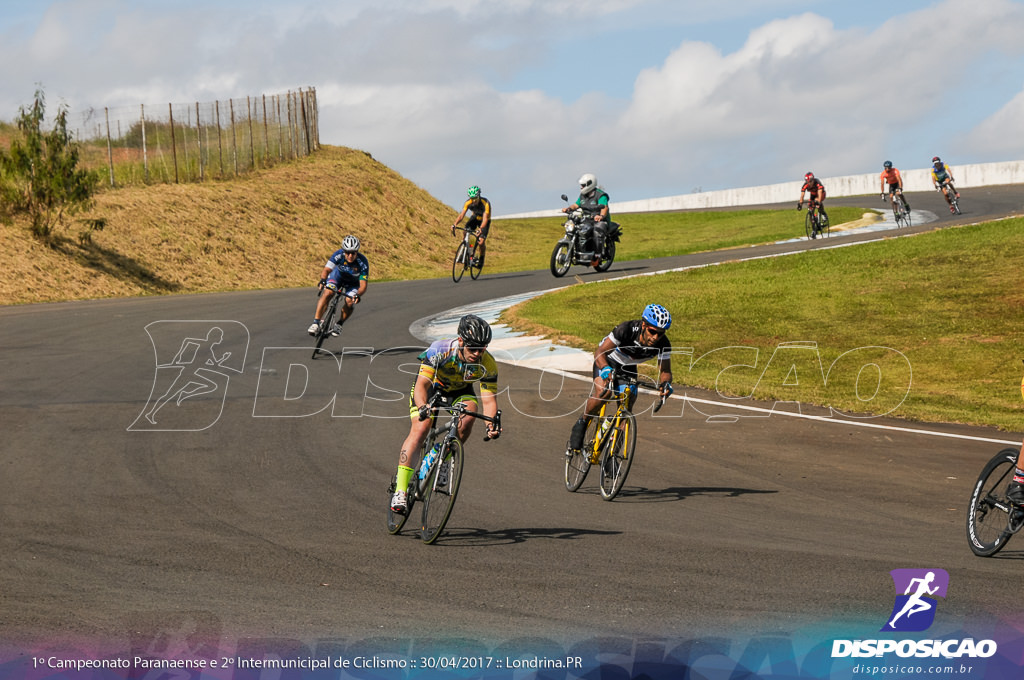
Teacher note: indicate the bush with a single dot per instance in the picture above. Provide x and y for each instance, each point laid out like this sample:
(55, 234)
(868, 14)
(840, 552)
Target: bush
(39, 174)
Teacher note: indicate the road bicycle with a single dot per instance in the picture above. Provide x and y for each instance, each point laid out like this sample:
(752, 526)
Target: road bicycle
(900, 210)
(610, 440)
(466, 256)
(816, 221)
(327, 324)
(954, 200)
(436, 480)
(992, 518)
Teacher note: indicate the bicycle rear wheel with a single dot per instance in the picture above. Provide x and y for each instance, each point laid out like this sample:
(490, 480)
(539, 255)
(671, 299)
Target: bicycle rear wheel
(823, 225)
(325, 324)
(439, 498)
(577, 464)
(474, 267)
(460, 263)
(990, 516)
(395, 520)
(617, 456)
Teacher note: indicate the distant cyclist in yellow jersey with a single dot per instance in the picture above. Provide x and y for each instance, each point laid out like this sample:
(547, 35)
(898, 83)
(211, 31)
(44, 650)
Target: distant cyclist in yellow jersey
(479, 209)
(942, 178)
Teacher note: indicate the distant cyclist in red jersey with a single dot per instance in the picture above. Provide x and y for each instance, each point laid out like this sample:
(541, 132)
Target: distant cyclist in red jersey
(815, 191)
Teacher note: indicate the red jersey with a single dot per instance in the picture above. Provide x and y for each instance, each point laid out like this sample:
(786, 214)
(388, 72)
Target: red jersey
(814, 187)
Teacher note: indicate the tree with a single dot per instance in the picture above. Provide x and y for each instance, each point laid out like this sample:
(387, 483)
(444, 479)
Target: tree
(39, 174)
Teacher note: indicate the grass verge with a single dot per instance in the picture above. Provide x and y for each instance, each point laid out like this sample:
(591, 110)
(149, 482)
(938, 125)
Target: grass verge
(924, 328)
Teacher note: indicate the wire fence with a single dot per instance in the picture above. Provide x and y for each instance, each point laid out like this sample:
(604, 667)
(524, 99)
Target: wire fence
(200, 141)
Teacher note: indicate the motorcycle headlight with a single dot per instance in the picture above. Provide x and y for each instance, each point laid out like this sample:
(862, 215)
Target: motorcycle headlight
(570, 227)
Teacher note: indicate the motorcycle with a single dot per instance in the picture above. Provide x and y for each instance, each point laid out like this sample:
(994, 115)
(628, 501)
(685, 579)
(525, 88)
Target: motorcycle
(577, 245)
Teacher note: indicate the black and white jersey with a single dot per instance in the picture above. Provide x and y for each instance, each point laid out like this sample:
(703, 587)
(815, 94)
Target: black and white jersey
(628, 350)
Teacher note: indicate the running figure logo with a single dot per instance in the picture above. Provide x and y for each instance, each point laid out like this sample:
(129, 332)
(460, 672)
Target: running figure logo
(205, 353)
(914, 610)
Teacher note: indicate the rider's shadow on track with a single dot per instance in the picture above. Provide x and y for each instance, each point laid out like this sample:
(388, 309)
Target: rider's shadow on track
(507, 275)
(641, 494)
(467, 537)
(1008, 555)
(612, 271)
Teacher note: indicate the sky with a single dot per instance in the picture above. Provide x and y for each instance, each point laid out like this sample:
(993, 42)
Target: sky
(521, 97)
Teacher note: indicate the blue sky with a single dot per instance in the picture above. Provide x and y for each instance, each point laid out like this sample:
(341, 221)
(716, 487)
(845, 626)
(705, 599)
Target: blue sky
(656, 97)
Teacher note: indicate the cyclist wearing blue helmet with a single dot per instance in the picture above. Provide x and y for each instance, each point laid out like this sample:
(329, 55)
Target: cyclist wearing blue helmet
(629, 344)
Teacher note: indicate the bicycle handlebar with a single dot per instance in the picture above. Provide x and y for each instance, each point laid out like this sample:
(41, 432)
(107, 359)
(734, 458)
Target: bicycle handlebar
(641, 381)
(461, 409)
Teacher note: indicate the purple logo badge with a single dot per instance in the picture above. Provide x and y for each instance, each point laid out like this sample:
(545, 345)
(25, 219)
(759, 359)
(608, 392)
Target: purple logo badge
(916, 590)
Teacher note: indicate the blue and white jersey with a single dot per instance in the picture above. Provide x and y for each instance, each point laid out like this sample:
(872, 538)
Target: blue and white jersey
(343, 272)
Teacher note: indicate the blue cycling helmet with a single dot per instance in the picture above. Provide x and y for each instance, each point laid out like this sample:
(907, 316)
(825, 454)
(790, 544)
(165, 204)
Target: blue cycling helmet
(657, 316)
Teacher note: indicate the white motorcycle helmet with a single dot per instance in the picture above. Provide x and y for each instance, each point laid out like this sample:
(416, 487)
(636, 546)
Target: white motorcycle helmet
(588, 184)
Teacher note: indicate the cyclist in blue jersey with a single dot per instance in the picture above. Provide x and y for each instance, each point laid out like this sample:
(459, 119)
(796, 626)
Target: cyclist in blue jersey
(942, 180)
(452, 366)
(627, 345)
(346, 271)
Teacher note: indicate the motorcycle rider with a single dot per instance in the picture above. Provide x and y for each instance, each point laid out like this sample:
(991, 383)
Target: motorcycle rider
(594, 202)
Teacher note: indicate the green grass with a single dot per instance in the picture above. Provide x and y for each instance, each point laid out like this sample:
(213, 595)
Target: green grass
(527, 243)
(938, 314)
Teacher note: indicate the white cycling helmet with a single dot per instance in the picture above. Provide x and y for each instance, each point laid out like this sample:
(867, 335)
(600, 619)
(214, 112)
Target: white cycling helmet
(588, 184)
(350, 244)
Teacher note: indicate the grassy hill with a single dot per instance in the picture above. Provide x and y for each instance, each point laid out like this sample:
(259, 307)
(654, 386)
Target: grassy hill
(271, 229)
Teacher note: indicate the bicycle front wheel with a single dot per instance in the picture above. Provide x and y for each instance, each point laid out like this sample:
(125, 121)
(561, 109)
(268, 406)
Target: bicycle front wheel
(809, 224)
(325, 324)
(460, 263)
(441, 491)
(990, 513)
(617, 456)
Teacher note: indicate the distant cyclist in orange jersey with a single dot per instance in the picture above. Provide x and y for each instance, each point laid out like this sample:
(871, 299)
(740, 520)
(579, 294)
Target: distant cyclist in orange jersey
(892, 177)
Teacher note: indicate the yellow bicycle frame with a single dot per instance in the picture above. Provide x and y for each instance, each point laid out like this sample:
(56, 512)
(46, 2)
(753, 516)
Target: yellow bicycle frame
(603, 431)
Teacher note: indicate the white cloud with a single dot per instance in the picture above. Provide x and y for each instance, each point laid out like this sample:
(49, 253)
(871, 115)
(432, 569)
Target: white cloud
(426, 85)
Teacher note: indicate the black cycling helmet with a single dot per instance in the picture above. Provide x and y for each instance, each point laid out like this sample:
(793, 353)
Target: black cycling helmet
(887, 165)
(936, 160)
(474, 331)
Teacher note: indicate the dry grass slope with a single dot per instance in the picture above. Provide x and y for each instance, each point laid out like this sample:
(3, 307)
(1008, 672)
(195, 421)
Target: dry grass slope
(272, 229)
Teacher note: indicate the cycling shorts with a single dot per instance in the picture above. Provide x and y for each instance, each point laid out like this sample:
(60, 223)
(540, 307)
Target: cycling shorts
(347, 291)
(473, 224)
(451, 398)
(893, 188)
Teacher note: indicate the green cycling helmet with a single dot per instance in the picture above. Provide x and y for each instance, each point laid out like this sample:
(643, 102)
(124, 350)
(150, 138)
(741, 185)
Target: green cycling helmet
(473, 191)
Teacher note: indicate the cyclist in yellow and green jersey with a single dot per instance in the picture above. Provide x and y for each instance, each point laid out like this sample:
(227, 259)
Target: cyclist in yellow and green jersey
(453, 367)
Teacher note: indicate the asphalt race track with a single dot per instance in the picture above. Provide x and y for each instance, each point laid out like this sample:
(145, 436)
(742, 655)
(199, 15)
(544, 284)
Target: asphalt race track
(257, 510)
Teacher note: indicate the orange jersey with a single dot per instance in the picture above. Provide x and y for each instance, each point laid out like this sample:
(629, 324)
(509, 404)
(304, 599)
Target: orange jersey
(891, 176)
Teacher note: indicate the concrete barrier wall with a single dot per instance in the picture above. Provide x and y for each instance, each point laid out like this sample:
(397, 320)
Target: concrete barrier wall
(965, 176)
